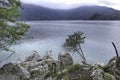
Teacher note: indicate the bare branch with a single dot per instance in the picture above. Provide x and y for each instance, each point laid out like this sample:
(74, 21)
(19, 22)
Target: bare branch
(115, 49)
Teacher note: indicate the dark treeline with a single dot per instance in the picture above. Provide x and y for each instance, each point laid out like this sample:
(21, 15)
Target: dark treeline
(32, 12)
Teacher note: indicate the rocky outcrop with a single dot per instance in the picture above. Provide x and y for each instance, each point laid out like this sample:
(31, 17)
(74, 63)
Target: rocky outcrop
(65, 59)
(99, 74)
(34, 57)
(79, 72)
(37, 68)
(13, 71)
(33, 68)
(113, 67)
(86, 72)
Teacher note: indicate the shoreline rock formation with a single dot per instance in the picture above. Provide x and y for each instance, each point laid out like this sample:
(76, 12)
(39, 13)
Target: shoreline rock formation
(37, 68)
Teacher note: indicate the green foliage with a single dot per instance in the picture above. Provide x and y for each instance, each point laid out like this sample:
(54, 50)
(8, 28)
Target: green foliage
(75, 67)
(9, 10)
(64, 74)
(73, 43)
(74, 40)
(108, 76)
(10, 29)
(98, 16)
(60, 74)
(66, 77)
(40, 72)
(36, 73)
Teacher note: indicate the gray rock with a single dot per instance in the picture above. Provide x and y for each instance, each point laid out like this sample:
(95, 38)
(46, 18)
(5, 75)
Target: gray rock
(37, 66)
(97, 74)
(65, 59)
(31, 69)
(113, 67)
(34, 68)
(13, 71)
(9, 77)
(25, 72)
(52, 62)
(34, 57)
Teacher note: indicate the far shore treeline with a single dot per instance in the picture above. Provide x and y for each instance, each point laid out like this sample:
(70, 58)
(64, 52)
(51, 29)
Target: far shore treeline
(32, 12)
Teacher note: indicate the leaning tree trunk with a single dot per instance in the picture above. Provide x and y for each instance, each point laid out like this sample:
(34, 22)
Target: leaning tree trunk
(117, 55)
(79, 50)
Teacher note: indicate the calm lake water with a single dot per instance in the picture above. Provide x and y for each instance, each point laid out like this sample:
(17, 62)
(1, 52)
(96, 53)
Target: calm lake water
(51, 35)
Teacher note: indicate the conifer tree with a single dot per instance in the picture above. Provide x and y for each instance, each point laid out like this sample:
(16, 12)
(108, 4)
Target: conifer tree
(73, 43)
(10, 29)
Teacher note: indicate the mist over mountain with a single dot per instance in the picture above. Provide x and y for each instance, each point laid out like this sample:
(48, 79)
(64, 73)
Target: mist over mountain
(33, 12)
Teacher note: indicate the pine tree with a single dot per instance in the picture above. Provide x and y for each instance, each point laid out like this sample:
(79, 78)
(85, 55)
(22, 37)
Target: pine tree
(10, 29)
(73, 43)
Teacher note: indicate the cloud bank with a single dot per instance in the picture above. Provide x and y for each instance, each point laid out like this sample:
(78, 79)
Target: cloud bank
(67, 4)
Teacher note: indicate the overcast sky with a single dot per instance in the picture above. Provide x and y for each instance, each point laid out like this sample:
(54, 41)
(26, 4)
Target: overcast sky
(66, 4)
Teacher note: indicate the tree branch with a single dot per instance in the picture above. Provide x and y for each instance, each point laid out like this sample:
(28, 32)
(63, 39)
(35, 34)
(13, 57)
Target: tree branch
(82, 53)
(115, 49)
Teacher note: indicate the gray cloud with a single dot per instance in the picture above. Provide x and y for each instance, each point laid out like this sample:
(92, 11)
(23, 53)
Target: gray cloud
(66, 4)
(106, 2)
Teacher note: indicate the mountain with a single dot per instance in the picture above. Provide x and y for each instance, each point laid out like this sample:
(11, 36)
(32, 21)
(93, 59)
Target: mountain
(33, 12)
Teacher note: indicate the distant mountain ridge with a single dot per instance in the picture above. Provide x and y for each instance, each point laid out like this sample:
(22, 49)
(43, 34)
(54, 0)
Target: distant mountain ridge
(33, 12)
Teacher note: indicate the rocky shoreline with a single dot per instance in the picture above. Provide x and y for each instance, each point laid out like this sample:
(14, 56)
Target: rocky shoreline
(36, 67)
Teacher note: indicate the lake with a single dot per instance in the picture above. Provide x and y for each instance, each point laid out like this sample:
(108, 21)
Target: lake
(51, 35)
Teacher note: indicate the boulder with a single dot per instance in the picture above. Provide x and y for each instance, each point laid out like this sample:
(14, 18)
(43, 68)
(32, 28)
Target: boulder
(33, 68)
(34, 57)
(53, 63)
(13, 71)
(113, 67)
(65, 59)
(37, 66)
(99, 74)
